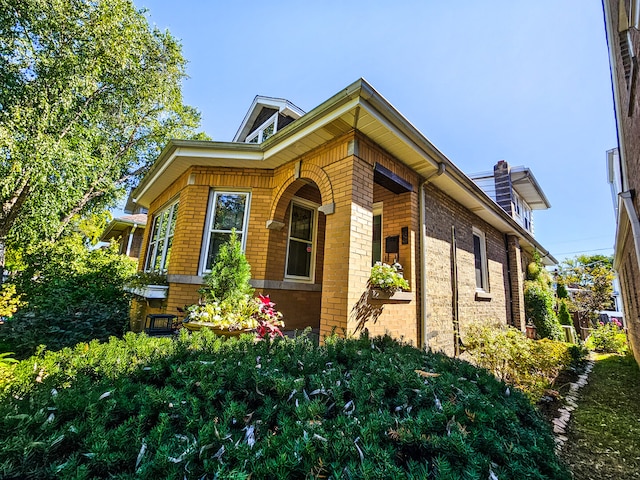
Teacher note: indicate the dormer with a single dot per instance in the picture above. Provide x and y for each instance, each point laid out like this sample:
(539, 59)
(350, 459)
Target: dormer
(265, 117)
(515, 189)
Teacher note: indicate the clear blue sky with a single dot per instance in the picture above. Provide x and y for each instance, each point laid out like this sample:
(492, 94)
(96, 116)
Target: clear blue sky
(524, 81)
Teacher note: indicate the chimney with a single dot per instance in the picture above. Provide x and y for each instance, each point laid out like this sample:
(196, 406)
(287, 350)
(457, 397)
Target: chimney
(502, 178)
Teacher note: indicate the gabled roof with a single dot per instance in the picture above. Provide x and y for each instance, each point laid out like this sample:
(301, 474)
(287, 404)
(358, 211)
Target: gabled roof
(528, 188)
(358, 107)
(281, 105)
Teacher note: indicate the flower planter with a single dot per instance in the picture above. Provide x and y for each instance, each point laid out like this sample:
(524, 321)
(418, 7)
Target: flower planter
(150, 291)
(196, 326)
(390, 297)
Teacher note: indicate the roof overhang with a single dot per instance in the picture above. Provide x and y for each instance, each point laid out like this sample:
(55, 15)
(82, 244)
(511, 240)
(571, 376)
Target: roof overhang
(359, 107)
(118, 226)
(526, 185)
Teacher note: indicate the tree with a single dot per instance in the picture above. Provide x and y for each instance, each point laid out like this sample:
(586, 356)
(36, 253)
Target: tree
(90, 94)
(590, 279)
(539, 301)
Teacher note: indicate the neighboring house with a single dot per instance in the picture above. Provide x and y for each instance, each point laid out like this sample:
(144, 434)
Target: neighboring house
(128, 232)
(316, 199)
(516, 190)
(622, 20)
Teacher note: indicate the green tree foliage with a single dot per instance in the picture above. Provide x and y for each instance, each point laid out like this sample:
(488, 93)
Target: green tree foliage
(90, 94)
(539, 301)
(564, 315)
(72, 294)
(199, 406)
(228, 281)
(591, 279)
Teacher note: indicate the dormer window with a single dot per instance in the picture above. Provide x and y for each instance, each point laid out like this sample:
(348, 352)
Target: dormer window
(266, 130)
(266, 117)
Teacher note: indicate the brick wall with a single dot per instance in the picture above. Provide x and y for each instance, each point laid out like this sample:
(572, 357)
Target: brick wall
(629, 117)
(443, 213)
(341, 173)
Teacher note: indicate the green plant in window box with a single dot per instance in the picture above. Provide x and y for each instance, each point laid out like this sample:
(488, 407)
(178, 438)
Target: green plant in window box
(143, 279)
(388, 278)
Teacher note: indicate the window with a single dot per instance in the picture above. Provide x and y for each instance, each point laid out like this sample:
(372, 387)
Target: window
(480, 258)
(376, 254)
(161, 239)
(517, 203)
(227, 211)
(301, 241)
(266, 130)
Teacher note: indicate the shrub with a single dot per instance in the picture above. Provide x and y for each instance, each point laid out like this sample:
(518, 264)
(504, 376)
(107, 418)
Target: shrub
(73, 294)
(229, 278)
(538, 302)
(607, 338)
(10, 301)
(564, 315)
(530, 365)
(202, 407)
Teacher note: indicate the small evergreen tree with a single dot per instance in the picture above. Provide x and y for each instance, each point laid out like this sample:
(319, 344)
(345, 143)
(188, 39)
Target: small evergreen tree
(564, 316)
(228, 281)
(538, 301)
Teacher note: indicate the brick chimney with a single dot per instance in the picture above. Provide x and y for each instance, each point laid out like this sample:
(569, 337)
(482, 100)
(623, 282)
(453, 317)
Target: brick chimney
(502, 180)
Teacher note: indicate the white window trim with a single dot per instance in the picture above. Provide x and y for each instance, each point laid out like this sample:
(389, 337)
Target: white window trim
(152, 247)
(209, 221)
(258, 131)
(483, 260)
(312, 268)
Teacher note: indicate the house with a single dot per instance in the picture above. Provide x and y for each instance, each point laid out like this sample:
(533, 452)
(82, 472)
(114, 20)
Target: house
(622, 20)
(317, 198)
(127, 231)
(516, 190)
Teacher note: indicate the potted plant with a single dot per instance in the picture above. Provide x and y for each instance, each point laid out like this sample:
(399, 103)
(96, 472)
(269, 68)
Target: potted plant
(252, 315)
(150, 285)
(387, 283)
(228, 306)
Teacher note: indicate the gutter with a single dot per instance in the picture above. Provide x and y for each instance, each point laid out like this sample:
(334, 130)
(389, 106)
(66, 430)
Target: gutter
(423, 252)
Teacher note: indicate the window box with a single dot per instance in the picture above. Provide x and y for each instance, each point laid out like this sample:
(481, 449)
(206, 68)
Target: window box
(391, 297)
(149, 291)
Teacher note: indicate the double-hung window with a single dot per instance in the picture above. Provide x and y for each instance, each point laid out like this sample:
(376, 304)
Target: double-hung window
(228, 211)
(301, 241)
(161, 239)
(480, 260)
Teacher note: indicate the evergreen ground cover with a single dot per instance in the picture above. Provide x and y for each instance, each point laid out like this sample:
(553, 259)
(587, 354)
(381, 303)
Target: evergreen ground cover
(604, 433)
(201, 406)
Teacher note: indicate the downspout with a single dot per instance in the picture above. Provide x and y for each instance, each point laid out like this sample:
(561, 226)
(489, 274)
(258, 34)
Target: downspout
(130, 241)
(627, 201)
(506, 247)
(423, 251)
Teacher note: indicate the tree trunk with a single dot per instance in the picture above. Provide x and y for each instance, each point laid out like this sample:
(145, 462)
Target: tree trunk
(3, 243)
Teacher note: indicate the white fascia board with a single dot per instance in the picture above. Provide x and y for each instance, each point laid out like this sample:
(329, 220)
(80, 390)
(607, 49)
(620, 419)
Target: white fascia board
(221, 153)
(305, 131)
(224, 154)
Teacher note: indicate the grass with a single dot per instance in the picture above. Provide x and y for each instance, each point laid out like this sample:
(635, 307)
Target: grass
(604, 434)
